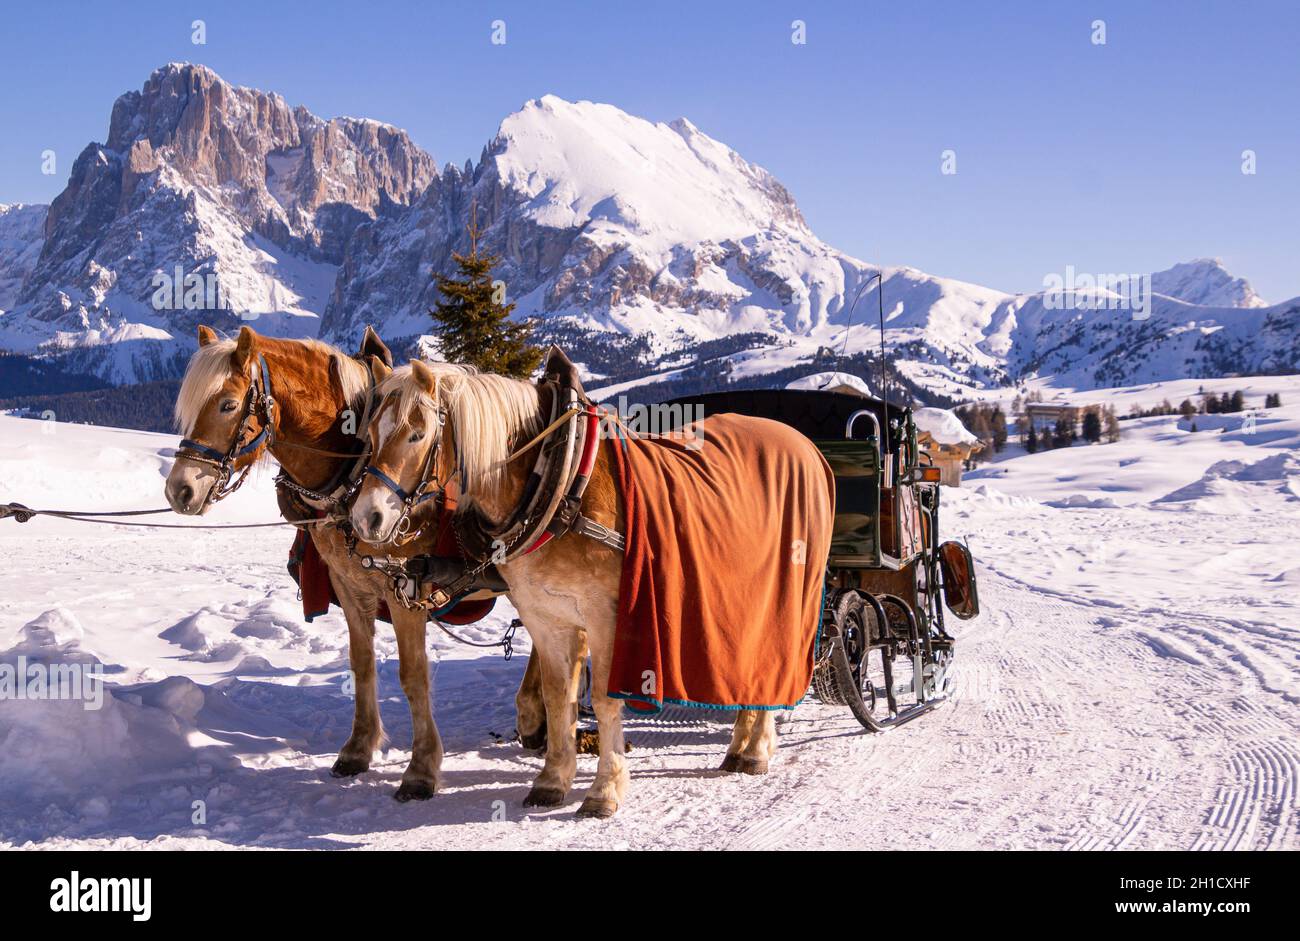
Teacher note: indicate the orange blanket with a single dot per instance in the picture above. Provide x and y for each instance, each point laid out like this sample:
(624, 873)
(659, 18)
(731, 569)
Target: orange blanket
(727, 539)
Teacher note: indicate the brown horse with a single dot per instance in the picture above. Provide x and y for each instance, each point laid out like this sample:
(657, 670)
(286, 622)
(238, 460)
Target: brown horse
(317, 397)
(566, 591)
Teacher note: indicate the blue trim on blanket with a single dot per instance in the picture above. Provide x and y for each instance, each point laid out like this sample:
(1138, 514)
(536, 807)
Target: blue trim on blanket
(659, 704)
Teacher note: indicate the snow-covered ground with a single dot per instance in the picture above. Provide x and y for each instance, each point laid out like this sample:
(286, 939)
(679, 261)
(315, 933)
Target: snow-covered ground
(1132, 682)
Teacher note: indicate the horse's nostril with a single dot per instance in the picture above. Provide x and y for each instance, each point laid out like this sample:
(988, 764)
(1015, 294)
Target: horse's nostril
(376, 521)
(185, 495)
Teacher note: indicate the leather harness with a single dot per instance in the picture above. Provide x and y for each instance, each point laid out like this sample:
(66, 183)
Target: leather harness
(258, 397)
(549, 507)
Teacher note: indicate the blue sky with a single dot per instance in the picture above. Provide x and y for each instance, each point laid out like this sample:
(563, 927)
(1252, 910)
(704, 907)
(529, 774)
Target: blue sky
(1123, 157)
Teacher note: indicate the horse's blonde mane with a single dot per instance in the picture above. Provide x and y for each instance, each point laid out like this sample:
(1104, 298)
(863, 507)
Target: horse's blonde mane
(487, 413)
(210, 367)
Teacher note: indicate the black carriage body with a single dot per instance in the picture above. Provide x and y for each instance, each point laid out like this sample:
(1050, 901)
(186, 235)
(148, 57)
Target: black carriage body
(885, 572)
(878, 512)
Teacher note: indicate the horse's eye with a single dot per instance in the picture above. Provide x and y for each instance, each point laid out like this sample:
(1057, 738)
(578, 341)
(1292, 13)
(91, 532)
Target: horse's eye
(229, 405)
(416, 436)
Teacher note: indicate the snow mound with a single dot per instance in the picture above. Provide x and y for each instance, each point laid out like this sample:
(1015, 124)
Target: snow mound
(1235, 486)
(1078, 501)
(89, 740)
(943, 425)
(831, 382)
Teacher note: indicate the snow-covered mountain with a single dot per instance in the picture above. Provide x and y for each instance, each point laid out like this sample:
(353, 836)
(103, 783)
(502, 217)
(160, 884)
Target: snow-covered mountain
(22, 233)
(606, 224)
(614, 221)
(217, 181)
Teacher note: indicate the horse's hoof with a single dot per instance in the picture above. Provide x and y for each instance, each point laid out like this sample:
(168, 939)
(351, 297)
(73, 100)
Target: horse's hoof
(739, 764)
(534, 740)
(598, 808)
(349, 767)
(544, 797)
(414, 791)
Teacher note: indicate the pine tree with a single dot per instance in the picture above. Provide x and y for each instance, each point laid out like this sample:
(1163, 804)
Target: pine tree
(474, 319)
(1092, 426)
(1031, 442)
(1187, 409)
(1064, 432)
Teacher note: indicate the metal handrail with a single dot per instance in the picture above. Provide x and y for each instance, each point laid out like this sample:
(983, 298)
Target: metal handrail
(882, 446)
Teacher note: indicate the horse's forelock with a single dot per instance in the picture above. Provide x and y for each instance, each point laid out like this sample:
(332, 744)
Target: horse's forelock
(209, 368)
(487, 411)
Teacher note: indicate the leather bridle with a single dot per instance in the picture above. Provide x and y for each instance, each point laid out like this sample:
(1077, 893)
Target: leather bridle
(427, 486)
(258, 402)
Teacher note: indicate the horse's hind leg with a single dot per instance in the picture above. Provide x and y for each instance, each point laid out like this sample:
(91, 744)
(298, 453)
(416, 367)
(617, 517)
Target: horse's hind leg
(420, 780)
(367, 729)
(530, 705)
(753, 742)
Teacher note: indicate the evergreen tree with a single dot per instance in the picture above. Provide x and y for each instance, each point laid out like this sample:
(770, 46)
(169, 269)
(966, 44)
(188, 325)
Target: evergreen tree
(1064, 433)
(474, 319)
(1092, 426)
(1031, 442)
(1187, 409)
(1238, 402)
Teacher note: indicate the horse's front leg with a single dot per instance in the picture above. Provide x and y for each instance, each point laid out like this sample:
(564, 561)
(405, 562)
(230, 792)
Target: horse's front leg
(420, 780)
(367, 728)
(612, 778)
(560, 650)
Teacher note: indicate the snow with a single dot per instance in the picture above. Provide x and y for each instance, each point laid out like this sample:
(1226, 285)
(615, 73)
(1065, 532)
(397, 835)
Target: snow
(835, 381)
(943, 425)
(1130, 684)
(583, 163)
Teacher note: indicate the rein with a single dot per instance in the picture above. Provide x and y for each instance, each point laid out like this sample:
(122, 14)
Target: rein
(23, 513)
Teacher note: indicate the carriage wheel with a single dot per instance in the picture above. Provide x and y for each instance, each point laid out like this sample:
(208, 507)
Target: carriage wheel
(844, 678)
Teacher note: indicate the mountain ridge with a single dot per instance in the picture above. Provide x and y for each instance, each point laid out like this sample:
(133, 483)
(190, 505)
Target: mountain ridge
(608, 226)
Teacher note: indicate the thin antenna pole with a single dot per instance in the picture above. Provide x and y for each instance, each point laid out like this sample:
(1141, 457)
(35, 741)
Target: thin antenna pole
(884, 392)
(844, 347)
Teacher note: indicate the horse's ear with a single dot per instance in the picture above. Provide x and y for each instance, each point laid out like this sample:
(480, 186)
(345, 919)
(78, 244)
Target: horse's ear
(379, 370)
(206, 335)
(244, 347)
(423, 375)
(371, 345)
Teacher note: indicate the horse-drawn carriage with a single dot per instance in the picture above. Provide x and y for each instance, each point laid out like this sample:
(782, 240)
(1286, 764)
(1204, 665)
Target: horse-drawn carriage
(882, 649)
